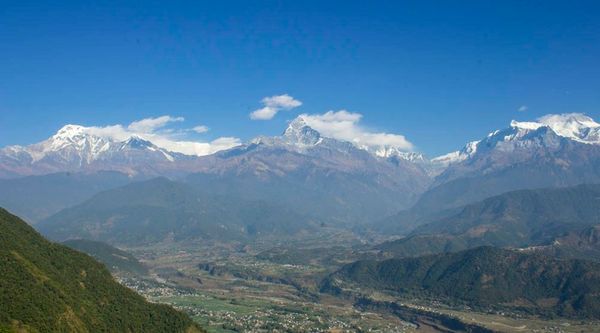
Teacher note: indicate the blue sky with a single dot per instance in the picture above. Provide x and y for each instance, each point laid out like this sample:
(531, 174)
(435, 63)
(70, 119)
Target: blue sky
(440, 73)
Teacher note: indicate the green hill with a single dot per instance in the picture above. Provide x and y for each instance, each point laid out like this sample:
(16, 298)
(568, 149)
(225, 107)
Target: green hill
(115, 259)
(483, 277)
(522, 218)
(47, 287)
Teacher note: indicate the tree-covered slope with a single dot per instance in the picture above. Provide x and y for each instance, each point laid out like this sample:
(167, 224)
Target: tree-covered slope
(484, 276)
(47, 287)
(115, 259)
(514, 219)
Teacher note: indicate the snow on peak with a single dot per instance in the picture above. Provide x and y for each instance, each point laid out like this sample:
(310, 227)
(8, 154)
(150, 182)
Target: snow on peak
(525, 125)
(75, 142)
(69, 131)
(76, 138)
(296, 124)
(137, 142)
(299, 133)
(395, 152)
(574, 126)
(457, 156)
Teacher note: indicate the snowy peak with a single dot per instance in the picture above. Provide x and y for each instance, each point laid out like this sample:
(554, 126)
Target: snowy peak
(574, 126)
(396, 153)
(546, 131)
(457, 156)
(299, 133)
(71, 141)
(74, 135)
(74, 148)
(135, 142)
(69, 131)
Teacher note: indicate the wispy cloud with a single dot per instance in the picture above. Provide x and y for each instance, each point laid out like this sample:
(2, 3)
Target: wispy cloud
(149, 125)
(344, 125)
(156, 130)
(200, 129)
(272, 105)
(523, 108)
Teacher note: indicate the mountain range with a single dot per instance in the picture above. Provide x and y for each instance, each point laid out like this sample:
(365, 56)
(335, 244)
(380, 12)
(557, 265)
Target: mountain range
(334, 180)
(340, 182)
(558, 150)
(75, 149)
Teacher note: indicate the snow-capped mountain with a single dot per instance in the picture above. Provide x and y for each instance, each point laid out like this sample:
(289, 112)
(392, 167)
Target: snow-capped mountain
(555, 150)
(573, 126)
(301, 144)
(301, 137)
(76, 148)
(298, 168)
(297, 136)
(456, 156)
(338, 179)
(82, 149)
(303, 169)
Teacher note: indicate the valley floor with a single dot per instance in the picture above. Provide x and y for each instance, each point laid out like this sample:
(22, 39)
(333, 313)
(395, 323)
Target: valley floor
(270, 288)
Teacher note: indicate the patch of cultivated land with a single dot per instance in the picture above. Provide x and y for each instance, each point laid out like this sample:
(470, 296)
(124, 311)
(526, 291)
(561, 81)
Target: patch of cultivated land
(505, 323)
(241, 293)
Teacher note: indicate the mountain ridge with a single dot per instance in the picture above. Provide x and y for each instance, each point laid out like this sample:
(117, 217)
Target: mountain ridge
(482, 277)
(562, 220)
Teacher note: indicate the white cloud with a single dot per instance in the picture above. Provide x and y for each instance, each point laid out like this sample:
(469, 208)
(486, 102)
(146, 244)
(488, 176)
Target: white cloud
(344, 125)
(274, 104)
(284, 101)
(265, 113)
(149, 125)
(200, 129)
(195, 147)
(523, 108)
(153, 130)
